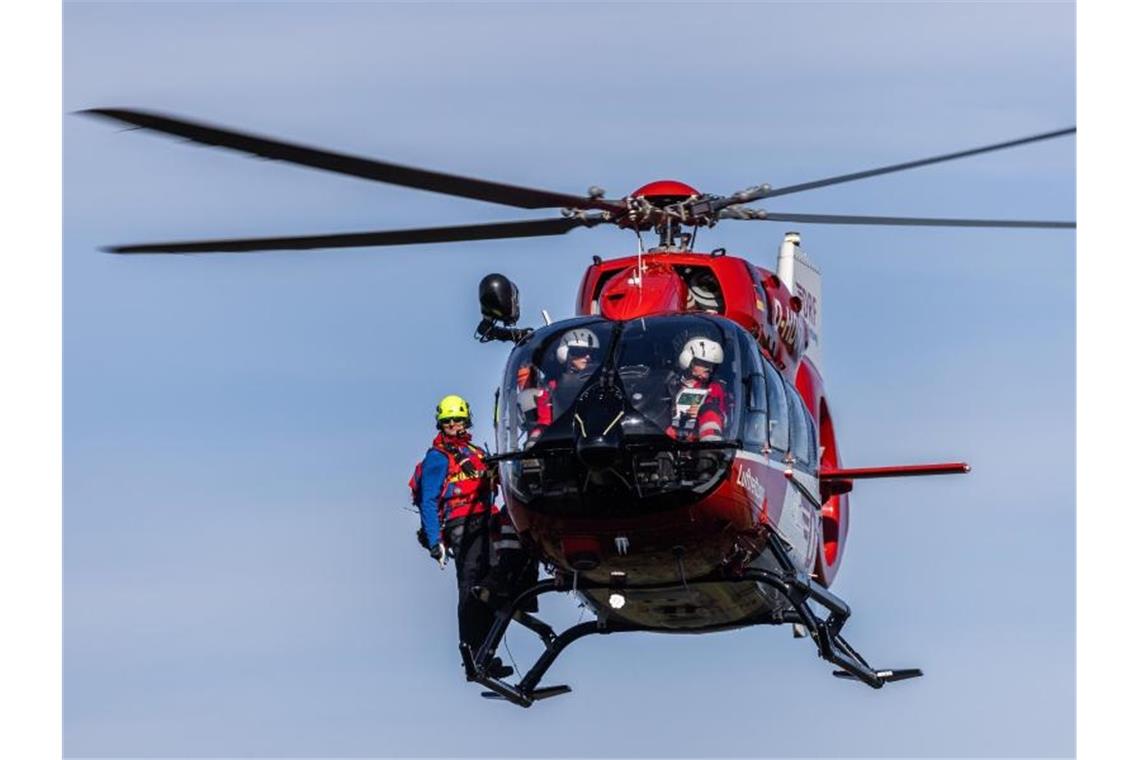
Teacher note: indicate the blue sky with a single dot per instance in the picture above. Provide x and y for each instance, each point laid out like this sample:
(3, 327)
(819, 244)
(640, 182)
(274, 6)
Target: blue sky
(240, 578)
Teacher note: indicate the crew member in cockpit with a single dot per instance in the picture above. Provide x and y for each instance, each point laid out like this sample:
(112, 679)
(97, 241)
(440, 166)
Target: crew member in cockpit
(577, 352)
(700, 402)
(704, 292)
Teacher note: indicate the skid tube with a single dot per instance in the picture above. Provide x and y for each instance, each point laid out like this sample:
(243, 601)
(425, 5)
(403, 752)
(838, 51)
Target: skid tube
(794, 585)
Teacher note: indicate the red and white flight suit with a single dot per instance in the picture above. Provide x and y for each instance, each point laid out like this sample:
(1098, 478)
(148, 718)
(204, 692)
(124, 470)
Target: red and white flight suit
(701, 402)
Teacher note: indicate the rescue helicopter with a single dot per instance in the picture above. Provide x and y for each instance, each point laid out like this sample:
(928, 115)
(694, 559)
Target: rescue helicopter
(668, 454)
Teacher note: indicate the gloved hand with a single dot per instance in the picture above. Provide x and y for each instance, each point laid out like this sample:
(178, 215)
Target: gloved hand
(439, 554)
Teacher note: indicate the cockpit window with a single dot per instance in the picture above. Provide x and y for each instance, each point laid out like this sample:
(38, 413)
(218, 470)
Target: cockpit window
(678, 376)
(681, 374)
(620, 416)
(545, 376)
(755, 406)
(778, 423)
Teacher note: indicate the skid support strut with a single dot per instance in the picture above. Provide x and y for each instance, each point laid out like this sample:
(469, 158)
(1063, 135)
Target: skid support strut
(797, 587)
(526, 692)
(792, 584)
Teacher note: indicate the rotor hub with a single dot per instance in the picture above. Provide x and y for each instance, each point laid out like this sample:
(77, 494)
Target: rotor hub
(665, 192)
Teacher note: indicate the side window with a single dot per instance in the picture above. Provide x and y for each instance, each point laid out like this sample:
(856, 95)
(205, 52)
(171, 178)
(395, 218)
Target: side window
(813, 438)
(777, 408)
(704, 289)
(801, 442)
(603, 278)
(756, 400)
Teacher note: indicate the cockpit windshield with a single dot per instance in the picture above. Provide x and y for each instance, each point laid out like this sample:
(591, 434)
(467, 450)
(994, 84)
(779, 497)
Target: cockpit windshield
(621, 416)
(678, 377)
(545, 377)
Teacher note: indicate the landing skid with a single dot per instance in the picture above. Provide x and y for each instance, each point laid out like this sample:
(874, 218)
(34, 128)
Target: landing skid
(794, 585)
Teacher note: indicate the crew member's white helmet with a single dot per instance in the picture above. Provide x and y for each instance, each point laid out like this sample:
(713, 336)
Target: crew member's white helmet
(703, 292)
(704, 349)
(579, 338)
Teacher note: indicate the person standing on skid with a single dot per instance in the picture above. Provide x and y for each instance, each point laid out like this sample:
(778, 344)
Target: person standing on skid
(457, 515)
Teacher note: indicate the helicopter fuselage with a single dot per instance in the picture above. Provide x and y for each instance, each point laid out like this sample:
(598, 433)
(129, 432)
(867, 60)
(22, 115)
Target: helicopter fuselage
(653, 519)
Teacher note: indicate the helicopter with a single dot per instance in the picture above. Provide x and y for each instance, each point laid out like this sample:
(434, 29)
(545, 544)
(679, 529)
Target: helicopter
(661, 511)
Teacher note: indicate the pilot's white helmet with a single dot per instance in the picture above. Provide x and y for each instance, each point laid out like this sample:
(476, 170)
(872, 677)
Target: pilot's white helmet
(580, 338)
(704, 349)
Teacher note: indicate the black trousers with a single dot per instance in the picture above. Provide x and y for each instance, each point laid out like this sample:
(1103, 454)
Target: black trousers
(470, 541)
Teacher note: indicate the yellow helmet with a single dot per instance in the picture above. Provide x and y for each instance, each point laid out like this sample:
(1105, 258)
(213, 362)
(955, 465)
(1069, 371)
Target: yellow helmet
(452, 407)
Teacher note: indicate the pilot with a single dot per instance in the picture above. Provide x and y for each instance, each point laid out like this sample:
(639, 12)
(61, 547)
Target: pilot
(577, 353)
(457, 489)
(700, 403)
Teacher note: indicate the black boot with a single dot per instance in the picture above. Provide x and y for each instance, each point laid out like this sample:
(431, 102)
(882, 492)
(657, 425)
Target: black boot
(496, 669)
(493, 594)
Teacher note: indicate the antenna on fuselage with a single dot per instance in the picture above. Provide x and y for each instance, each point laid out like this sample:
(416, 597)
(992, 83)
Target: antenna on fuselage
(640, 252)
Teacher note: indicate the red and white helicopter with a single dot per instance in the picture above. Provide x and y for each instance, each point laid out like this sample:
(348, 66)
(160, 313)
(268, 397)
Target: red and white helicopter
(655, 527)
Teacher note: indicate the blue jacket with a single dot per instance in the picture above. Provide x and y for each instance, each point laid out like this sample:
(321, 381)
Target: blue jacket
(431, 486)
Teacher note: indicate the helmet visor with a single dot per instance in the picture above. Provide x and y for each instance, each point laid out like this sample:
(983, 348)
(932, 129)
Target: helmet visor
(580, 352)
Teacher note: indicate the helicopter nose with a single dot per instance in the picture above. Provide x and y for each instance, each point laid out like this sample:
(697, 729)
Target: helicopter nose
(597, 424)
(599, 451)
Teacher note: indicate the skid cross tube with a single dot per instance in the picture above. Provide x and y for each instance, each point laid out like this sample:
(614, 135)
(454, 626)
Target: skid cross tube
(792, 584)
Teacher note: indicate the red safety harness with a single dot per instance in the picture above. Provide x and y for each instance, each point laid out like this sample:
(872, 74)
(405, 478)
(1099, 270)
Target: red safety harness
(467, 485)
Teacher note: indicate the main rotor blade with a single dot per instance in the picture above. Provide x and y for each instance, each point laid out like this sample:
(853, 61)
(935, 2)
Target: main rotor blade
(367, 168)
(901, 167)
(896, 221)
(496, 230)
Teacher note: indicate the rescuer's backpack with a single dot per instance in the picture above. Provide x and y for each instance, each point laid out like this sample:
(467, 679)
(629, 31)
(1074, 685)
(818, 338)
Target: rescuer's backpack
(415, 483)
